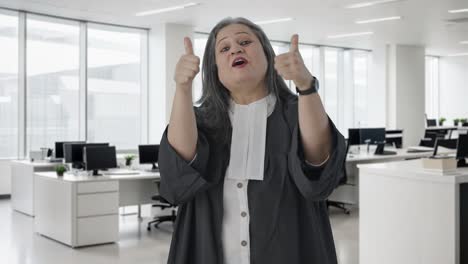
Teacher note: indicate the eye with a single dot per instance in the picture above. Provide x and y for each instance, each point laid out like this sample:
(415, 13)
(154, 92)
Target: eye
(224, 49)
(245, 42)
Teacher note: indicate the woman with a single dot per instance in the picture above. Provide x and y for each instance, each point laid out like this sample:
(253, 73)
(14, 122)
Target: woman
(250, 168)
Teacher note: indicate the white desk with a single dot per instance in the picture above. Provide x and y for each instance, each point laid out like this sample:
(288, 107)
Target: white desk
(83, 210)
(22, 183)
(349, 193)
(409, 215)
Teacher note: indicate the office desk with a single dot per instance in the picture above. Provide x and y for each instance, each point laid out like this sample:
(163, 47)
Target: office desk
(83, 210)
(411, 215)
(22, 183)
(349, 193)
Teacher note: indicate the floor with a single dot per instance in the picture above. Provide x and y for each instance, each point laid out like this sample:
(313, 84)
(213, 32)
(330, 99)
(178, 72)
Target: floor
(20, 245)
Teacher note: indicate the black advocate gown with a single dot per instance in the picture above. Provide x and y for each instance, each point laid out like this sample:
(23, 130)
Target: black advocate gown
(289, 222)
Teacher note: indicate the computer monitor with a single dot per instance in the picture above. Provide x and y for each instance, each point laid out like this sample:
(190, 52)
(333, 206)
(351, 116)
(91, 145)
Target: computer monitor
(462, 150)
(354, 137)
(149, 154)
(73, 152)
(59, 153)
(372, 135)
(99, 158)
(446, 143)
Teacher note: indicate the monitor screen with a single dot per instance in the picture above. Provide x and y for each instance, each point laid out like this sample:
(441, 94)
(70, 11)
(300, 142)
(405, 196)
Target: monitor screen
(148, 153)
(462, 147)
(372, 135)
(59, 149)
(73, 152)
(446, 143)
(354, 137)
(99, 157)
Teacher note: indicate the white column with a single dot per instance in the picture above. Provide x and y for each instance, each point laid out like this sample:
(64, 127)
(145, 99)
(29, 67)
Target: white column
(406, 91)
(376, 89)
(166, 45)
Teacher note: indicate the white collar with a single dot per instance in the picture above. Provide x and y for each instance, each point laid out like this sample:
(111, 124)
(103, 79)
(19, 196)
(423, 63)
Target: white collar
(249, 123)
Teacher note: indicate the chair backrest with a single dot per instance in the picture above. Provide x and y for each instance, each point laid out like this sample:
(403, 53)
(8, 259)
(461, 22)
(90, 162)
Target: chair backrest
(431, 122)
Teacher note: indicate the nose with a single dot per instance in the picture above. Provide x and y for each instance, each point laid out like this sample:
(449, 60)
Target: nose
(237, 49)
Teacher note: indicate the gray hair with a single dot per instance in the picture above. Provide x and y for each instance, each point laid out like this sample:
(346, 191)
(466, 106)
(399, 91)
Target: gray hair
(213, 112)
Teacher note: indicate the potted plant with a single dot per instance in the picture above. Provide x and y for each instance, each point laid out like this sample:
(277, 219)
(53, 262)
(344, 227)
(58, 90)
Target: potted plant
(60, 169)
(456, 121)
(128, 159)
(463, 121)
(441, 121)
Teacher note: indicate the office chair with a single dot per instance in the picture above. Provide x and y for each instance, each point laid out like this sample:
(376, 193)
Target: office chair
(431, 122)
(343, 181)
(430, 139)
(163, 204)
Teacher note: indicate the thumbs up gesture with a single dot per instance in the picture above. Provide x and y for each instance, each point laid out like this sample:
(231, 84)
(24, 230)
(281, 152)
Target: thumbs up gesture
(291, 66)
(187, 67)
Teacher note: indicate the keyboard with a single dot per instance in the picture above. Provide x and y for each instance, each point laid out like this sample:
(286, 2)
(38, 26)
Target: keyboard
(120, 172)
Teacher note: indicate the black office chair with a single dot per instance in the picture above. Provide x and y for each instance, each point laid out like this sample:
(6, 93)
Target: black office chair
(163, 204)
(343, 181)
(431, 122)
(430, 139)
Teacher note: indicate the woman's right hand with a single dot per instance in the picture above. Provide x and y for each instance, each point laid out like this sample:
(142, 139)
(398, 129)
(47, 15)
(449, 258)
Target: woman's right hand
(187, 67)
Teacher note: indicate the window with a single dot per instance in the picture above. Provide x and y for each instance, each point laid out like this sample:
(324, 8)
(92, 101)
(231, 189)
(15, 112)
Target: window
(432, 87)
(331, 83)
(115, 86)
(8, 85)
(360, 76)
(52, 67)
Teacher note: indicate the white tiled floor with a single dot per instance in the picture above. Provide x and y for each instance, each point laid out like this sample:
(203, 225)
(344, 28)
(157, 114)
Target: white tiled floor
(20, 245)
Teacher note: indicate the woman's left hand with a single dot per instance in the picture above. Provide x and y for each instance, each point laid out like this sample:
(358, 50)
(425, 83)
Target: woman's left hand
(291, 66)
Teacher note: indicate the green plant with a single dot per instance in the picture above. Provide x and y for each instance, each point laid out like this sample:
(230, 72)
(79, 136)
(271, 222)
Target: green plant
(442, 120)
(60, 169)
(128, 159)
(463, 120)
(456, 121)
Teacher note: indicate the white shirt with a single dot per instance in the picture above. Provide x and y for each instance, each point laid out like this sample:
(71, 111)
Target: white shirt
(246, 163)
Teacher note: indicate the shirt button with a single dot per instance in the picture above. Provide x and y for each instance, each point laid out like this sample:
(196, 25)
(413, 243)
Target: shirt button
(239, 185)
(243, 214)
(244, 243)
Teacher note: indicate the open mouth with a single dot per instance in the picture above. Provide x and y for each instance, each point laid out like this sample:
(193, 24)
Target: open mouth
(239, 62)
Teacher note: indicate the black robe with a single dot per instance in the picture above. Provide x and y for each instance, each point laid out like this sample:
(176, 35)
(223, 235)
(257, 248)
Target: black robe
(289, 220)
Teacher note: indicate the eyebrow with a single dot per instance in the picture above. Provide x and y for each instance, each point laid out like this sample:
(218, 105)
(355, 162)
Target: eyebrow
(241, 32)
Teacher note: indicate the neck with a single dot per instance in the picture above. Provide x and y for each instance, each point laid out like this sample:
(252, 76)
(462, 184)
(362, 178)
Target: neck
(247, 96)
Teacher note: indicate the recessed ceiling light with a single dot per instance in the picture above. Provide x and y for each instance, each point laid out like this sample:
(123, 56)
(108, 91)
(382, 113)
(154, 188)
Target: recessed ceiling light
(458, 11)
(464, 42)
(167, 9)
(458, 54)
(274, 21)
(371, 3)
(375, 20)
(351, 35)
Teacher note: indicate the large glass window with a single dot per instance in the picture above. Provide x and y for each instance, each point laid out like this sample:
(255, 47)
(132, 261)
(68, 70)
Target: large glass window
(52, 81)
(199, 50)
(432, 87)
(8, 85)
(360, 78)
(114, 97)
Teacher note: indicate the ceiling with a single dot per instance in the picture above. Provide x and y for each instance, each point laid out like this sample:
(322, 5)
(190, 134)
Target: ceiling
(424, 21)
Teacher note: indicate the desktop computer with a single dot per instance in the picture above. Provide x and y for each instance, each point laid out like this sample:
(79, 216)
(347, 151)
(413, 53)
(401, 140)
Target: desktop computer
(462, 151)
(369, 136)
(59, 153)
(149, 155)
(446, 143)
(73, 152)
(99, 158)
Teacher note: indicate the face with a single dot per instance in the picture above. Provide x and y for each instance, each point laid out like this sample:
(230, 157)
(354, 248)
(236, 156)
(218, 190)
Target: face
(240, 58)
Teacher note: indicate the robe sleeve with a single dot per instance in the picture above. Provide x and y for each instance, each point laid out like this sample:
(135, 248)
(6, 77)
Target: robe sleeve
(317, 182)
(181, 180)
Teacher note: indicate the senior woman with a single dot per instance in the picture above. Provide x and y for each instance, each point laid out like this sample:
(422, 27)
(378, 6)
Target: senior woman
(252, 166)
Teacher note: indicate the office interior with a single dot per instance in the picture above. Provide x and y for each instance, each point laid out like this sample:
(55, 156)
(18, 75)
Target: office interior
(89, 85)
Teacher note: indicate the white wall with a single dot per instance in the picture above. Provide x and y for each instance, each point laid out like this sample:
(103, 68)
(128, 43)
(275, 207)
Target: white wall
(453, 93)
(5, 177)
(376, 91)
(406, 91)
(166, 45)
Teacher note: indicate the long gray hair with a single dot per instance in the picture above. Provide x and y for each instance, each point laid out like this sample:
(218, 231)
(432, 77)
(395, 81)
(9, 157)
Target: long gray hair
(213, 112)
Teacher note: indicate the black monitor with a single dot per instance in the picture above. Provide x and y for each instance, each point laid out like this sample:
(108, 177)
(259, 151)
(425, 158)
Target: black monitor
(59, 153)
(354, 137)
(462, 150)
(149, 154)
(73, 152)
(446, 143)
(99, 158)
(372, 135)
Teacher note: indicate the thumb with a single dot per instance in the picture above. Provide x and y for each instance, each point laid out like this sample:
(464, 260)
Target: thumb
(188, 46)
(294, 43)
